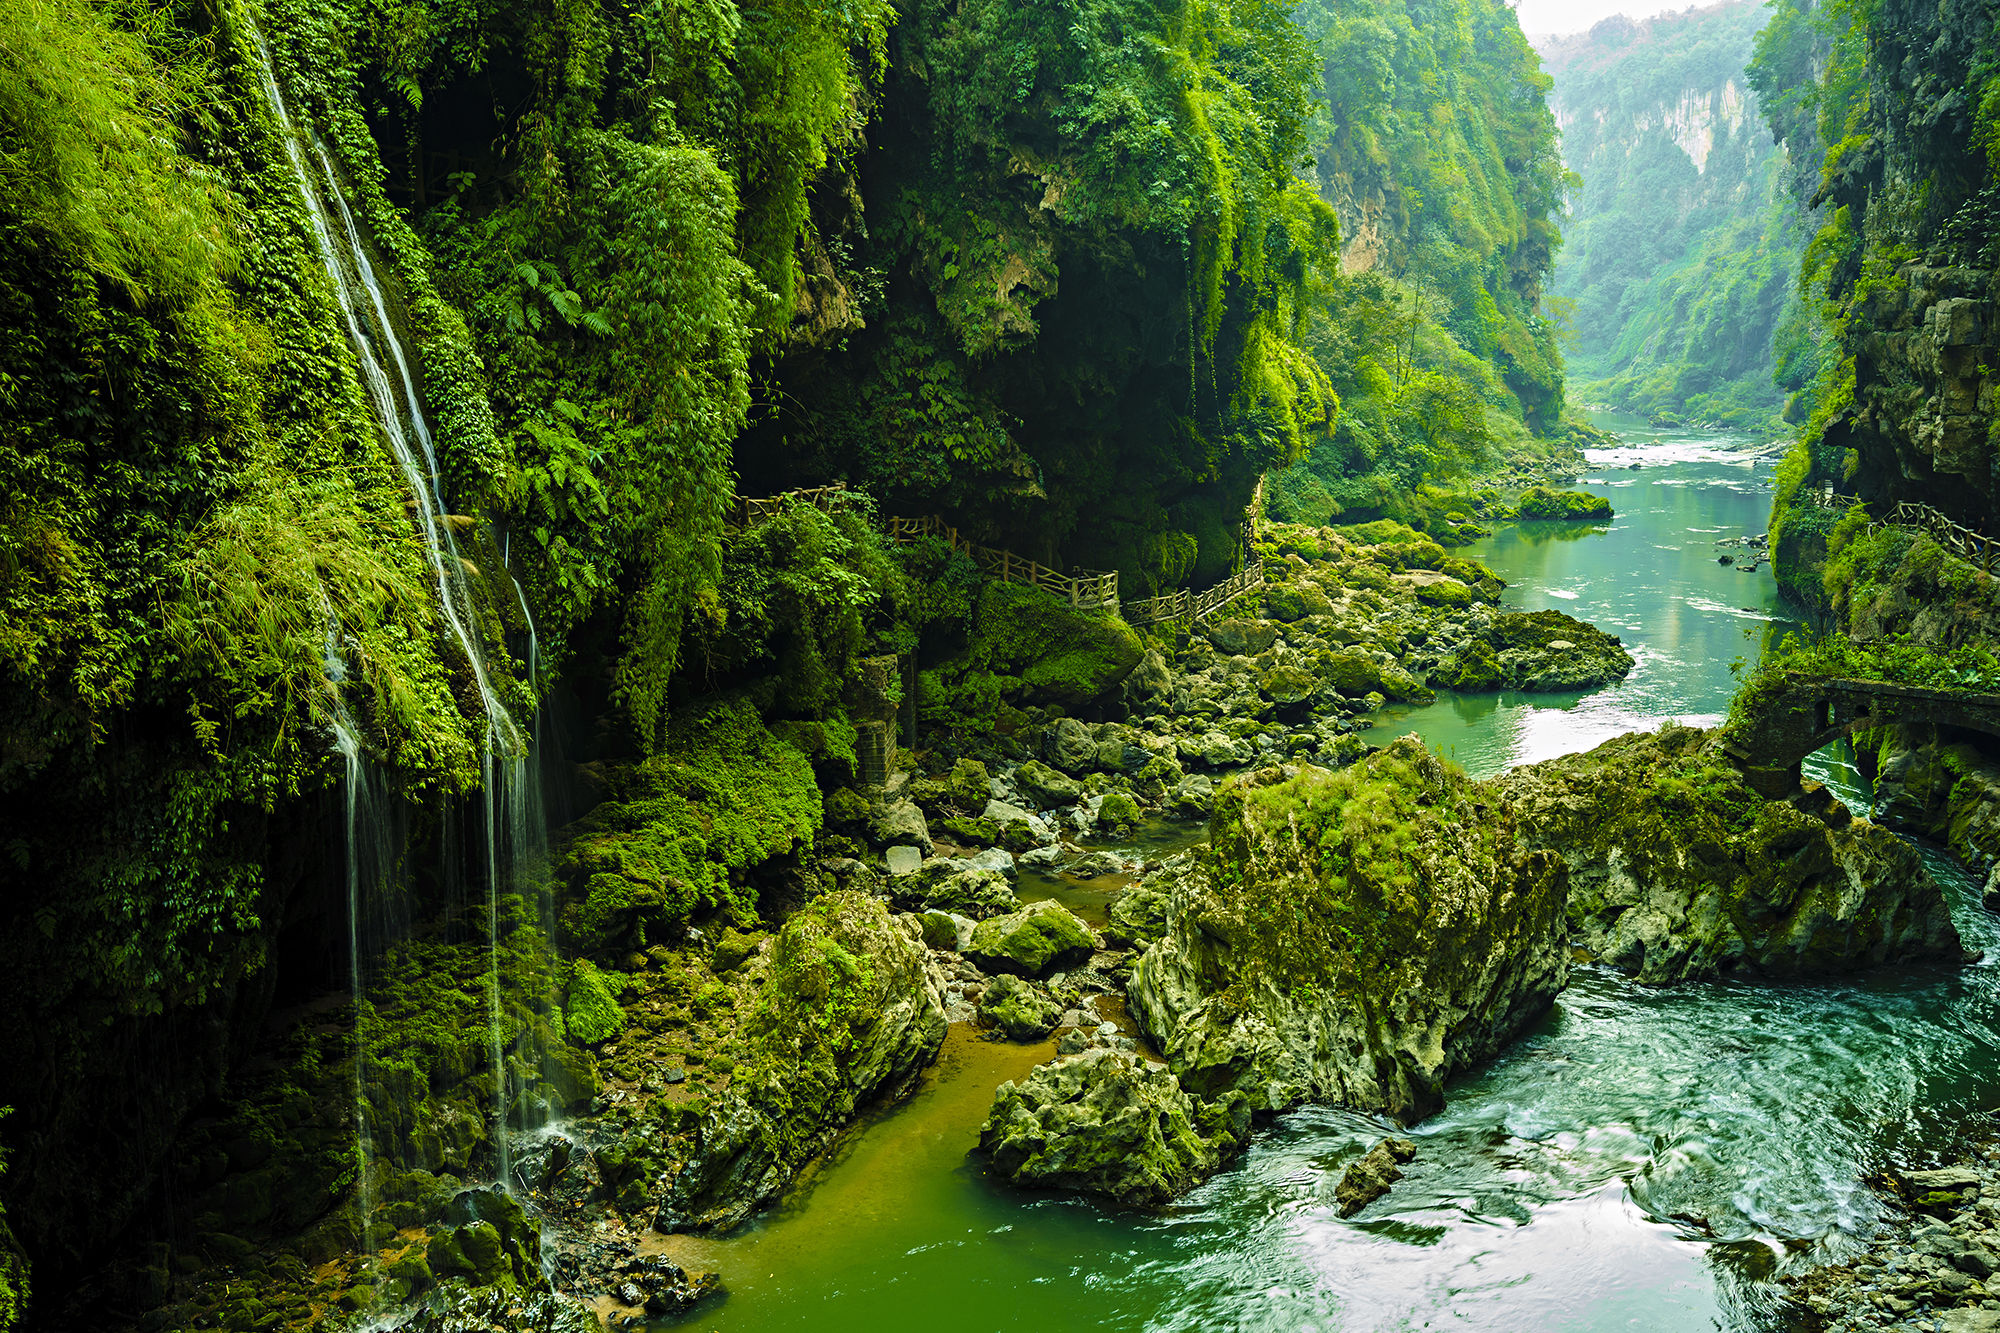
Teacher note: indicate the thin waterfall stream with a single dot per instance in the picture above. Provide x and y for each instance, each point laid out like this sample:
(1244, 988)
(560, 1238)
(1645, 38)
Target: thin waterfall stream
(514, 835)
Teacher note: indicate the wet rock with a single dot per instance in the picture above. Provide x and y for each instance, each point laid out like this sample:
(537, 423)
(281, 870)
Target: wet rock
(996, 859)
(1101, 1121)
(1369, 1178)
(1257, 996)
(1092, 865)
(1035, 940)
(1018, 1008)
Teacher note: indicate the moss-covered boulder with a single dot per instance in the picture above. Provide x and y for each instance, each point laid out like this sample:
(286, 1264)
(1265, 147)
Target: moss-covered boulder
(849, 1003)
(1550, 650)
(590, 1006)
(1679, 869)
(1039, 938)
(1540, 502)
(946, 885)
(1119, 813)
(1028, 645)
(1105, 1122)
(1353, 936)
(1045, 786)
(1018, 1008)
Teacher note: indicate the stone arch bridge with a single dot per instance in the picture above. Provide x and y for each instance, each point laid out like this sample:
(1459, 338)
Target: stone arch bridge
(1798, 713)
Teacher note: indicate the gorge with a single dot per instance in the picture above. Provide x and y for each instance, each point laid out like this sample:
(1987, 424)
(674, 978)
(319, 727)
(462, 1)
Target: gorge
(916, 664)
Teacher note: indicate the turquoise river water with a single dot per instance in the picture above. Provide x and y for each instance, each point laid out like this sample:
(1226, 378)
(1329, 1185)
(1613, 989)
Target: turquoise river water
(1644, 1159)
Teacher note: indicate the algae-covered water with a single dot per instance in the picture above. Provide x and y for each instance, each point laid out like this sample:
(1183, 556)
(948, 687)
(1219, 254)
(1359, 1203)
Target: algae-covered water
(1644, 1160)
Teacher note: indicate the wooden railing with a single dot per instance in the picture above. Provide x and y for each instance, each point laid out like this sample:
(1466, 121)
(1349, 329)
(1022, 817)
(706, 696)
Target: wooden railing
(1828, 499)
(1195, 606)
(749, 512)
(1086, 589)
(1955, 537)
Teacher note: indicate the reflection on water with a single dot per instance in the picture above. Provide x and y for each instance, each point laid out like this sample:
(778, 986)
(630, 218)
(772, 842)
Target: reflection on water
(1645, 1159)
(1651, 577)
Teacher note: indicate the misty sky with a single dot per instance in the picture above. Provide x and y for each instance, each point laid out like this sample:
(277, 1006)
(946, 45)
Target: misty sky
(1566, 16)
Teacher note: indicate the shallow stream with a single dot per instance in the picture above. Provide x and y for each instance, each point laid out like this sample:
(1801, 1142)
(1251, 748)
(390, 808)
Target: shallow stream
(1645, 1159)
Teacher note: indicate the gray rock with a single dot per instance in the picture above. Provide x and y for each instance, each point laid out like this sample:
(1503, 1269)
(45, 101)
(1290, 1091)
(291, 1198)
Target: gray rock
(1045, 786)
(1018, 1008)
(997, 859)
(1069, 746)
(904, 860)
(1193, 796)
(899, 822)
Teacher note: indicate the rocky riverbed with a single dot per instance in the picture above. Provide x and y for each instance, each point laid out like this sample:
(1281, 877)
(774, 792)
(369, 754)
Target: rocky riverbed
(1932, 1264)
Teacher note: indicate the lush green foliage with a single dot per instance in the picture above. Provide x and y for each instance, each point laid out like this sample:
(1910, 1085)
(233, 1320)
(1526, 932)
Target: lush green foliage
(1089, 254)
(724, 795)
(1437, 148)
(1680, 245)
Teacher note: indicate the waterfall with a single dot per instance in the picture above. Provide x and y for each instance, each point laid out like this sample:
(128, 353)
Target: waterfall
(510, 821)
(357, 798)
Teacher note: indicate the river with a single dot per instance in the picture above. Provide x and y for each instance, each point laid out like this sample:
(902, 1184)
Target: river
(1644, 1159)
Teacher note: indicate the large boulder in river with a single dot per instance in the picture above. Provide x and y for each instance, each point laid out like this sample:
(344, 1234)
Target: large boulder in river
(1102, 1121)
(1678, 869)
(1532, 650)
(1356, 936)
(849, 1005)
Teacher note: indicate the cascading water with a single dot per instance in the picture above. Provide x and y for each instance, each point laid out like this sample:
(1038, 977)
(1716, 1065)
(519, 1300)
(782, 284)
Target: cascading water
(357, 797)
(509, 790)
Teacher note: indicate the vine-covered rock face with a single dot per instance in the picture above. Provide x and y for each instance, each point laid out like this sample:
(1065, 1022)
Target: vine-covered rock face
(1102, 1121)
(1356, 937)
(1677, 869)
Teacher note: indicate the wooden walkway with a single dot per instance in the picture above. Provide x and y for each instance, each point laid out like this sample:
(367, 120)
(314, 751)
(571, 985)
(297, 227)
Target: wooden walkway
(1085, 589)
(1973, 546)
(1195, 606)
